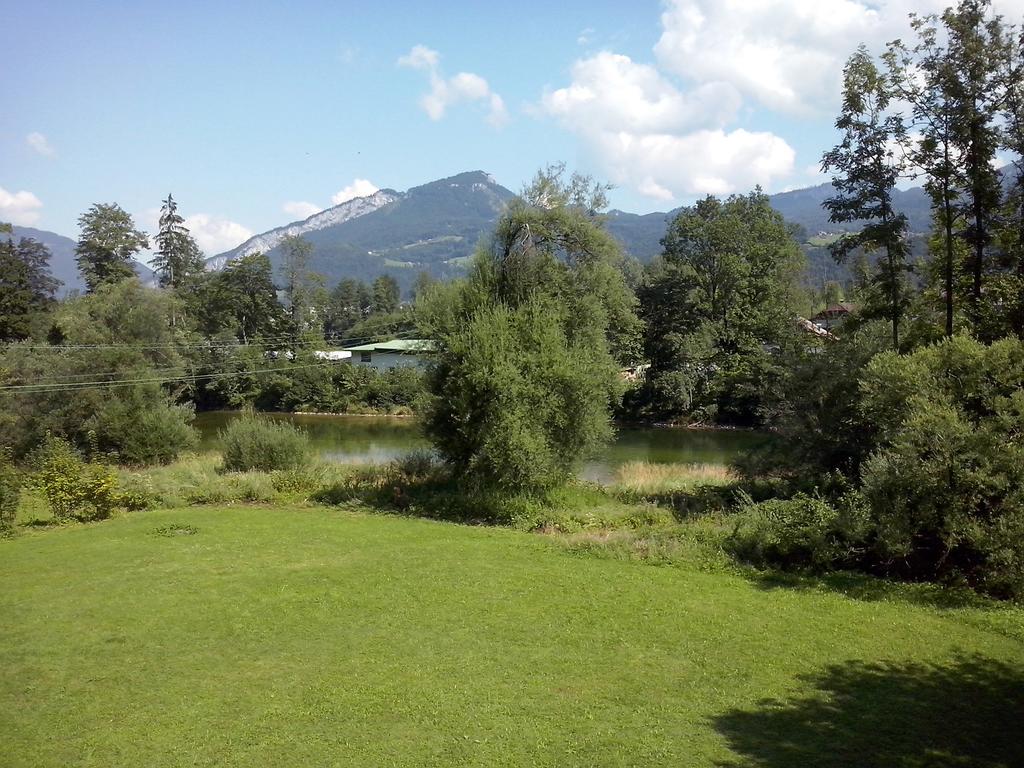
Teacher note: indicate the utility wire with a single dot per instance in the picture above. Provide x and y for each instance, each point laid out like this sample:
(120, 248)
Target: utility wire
(270, 341)
(72, 386)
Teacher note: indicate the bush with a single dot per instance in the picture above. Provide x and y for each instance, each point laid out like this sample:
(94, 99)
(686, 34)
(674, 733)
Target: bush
(805, 532)
(143, 428)
(946, 487)
(10, 493)
(73, 488)
(253, 441)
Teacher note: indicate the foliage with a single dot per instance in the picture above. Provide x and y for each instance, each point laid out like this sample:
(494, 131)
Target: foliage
(386, 295)
(119, 333)
(866, 169)
(106, 245)
(240, 299)
(514, 401)
(177, 258)
(303, 289)
(822, 435)
(254, 441)
(526, 372)
(26, 285)
(801, 532)
(946, 485)
(10, 492)
(349, 302)
(73, 488)
(140, 426)
(718, 306)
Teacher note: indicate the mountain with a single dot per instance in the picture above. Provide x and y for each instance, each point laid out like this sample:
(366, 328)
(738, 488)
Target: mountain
(62, 260)
(433, 227)
(804, 208)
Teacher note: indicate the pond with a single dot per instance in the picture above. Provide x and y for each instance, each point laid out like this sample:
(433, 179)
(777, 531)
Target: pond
(380, 439)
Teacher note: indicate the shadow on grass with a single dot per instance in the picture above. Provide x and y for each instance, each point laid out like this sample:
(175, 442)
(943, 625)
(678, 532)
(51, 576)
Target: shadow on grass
(967, 714)
(860, 586)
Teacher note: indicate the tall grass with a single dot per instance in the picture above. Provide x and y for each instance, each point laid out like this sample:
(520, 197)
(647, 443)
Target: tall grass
(642, 477)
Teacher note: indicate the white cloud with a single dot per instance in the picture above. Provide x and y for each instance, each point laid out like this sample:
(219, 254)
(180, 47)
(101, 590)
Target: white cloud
(715, 162)
(358, 188)
(215, 234)
(786, 54)
(40, 144)
(420, 57)
(21, 208)
(663, 142)
(612, 90)
(448, 92)
(300, 209)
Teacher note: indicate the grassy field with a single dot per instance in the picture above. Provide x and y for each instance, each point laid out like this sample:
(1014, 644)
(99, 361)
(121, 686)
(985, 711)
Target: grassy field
(304, 636)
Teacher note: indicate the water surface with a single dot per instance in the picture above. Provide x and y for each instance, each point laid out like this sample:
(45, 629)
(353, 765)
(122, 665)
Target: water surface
(380, 439)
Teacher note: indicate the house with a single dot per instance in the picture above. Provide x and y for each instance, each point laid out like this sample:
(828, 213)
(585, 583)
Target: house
(397, 353)
(812, 328)
(332, 355)
(833, 314)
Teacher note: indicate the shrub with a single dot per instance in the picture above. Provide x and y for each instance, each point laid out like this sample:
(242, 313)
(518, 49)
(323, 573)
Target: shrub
(143, 428)
(253, 441)
(946, 487)
(802, 532)
(73, 488)
(10, 493)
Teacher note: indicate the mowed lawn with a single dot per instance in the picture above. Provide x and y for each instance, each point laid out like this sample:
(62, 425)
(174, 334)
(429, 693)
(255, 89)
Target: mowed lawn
(313, 637)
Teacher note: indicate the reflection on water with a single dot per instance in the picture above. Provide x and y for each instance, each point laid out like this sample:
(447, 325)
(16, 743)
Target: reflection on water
(380, 439)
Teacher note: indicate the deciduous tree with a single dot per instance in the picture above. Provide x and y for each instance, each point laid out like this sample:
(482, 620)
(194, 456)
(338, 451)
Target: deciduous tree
(106, 245)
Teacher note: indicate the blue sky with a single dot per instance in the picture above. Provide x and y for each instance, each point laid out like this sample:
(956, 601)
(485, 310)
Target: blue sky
(255, 114)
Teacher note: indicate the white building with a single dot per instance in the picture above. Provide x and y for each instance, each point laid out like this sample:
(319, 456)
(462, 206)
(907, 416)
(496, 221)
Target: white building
(397, 353)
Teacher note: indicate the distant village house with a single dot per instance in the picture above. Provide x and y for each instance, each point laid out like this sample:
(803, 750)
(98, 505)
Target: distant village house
(397, 353)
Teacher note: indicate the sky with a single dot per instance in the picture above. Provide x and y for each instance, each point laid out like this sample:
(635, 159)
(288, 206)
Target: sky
(254, 114)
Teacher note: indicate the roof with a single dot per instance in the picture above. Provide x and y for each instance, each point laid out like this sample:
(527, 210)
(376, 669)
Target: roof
(842, 308)
(332, 354)
(814, 328)
(401, 346)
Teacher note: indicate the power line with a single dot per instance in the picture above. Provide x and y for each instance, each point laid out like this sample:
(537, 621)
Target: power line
(65, 383)
(72, 386)
(212, 345)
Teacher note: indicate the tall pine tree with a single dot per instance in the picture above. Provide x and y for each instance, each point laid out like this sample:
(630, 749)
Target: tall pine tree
(866, 165)
(177, 257)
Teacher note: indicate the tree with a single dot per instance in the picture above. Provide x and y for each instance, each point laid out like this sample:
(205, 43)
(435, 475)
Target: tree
(100, 387)
(976, 49)
(177, 257)
(386, 295)
(26, 285)
(723, 294)
(106, 245)
(423, 283)
(1011, 234)
(349, 303)
(301, 286)
(524, 374)
(866, 169)
(553, 239)
(242, 299)
(926, 77)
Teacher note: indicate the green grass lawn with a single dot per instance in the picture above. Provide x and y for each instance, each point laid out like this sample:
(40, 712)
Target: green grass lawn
(295, 636)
